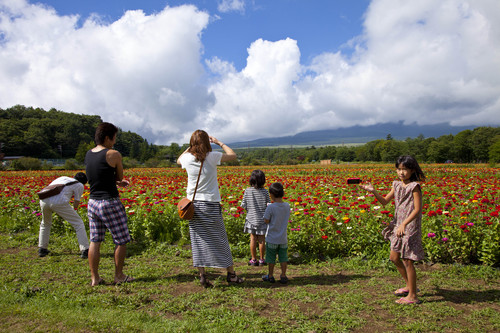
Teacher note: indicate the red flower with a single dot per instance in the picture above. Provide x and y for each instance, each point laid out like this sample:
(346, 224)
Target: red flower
(324, 237)
(339, 232)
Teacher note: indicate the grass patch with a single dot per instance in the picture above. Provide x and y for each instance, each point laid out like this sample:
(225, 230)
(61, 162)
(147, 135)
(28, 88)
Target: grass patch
(52, 294)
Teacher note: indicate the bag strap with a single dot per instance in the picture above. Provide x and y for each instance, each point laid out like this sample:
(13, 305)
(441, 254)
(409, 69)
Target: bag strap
(198, 180)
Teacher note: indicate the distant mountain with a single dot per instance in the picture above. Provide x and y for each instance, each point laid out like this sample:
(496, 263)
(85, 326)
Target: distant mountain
(355, 134)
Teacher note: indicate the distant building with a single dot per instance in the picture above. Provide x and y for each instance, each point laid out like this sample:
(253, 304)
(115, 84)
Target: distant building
(325, 162)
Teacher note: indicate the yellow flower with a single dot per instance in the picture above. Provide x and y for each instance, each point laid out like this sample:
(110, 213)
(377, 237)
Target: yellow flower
(362, 211)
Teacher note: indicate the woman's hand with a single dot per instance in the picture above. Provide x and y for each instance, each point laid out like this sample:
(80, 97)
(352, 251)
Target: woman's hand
(214, 140)
(368, 187)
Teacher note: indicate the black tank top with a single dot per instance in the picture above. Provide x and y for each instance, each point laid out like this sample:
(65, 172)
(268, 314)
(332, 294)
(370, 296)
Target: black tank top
(101, 176)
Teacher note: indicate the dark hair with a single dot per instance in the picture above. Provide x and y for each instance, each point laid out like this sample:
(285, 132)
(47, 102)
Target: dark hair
(81, 177)
(276, 189)
(411, 163)
(103, 131)
(199, 145)
(257, 179)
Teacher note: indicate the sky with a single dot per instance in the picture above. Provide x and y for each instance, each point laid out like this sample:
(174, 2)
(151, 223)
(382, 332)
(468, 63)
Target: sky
(249, 69)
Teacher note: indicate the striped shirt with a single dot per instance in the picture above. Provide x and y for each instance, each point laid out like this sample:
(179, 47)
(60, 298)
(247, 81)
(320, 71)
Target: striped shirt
(255, 201)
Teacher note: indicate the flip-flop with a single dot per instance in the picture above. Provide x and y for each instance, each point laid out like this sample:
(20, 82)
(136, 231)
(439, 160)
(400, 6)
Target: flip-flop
(100, 283)
(403, 300)
(126, 280)
(403, 292)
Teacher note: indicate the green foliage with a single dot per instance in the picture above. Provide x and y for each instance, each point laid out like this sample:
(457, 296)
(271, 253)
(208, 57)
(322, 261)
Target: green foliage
(33, 132)
(27, 163)
(82, 150)
(494, 151)
(72, 164)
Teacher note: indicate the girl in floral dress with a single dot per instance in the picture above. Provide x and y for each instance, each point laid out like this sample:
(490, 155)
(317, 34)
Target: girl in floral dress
(404, 232)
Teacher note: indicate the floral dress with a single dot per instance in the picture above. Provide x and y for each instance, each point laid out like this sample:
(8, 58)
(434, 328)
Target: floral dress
(410, 245)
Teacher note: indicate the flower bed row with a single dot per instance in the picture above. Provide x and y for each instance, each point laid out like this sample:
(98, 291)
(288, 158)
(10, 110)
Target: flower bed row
(329, 218)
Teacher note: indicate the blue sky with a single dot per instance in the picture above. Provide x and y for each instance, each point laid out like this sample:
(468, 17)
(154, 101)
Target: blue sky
(318, 25)
(247, 69)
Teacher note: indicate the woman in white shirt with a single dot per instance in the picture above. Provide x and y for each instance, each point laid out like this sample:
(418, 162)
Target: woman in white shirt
(209, 242)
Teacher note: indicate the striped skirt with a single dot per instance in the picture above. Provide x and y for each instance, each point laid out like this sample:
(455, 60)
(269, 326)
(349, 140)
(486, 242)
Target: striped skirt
(209, 242)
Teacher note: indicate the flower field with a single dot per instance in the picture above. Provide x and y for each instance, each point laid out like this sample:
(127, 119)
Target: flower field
(329, 218)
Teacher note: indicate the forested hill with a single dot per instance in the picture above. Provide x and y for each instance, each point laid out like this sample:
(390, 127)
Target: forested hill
(34, 132)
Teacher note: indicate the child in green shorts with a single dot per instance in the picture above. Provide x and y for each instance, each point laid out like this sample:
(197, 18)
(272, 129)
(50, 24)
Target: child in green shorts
(276, 217)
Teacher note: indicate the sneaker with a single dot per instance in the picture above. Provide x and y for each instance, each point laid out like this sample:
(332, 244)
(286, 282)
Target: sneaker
(43, 252)
(268, 278)
(253, 262)
(84, 254)
(262, 262)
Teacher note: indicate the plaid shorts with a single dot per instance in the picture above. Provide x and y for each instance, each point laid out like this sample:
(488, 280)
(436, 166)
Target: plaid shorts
(111, 215)
(280, 249)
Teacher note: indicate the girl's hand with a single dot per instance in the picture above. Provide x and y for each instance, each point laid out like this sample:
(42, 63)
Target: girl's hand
(123, 183)
(368, 187)
(400, 231)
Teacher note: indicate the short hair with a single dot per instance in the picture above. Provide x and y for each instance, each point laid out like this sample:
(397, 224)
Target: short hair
(81, 177)
(411, 163)
(257, 179)
(103, 131)
(276, 189)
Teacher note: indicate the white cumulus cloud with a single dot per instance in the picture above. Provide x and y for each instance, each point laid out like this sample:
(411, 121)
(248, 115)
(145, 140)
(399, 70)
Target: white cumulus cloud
(142, 72)
(417, 61)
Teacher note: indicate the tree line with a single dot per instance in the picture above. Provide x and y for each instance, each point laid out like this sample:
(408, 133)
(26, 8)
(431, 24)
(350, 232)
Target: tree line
(53, 134)
(479, 145)
(36, 133)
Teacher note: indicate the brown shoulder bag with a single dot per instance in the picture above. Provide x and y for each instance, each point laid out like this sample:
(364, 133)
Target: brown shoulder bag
(185, 207)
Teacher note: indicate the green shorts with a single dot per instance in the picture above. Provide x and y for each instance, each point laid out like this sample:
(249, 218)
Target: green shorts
(280, 249)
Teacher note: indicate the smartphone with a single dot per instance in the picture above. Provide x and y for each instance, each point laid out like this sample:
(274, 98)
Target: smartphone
(353, 181)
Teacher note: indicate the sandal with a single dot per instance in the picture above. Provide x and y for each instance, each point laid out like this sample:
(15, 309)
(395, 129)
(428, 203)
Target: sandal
(126, 280)
(283, 279)
(233, 278)
(204, 281)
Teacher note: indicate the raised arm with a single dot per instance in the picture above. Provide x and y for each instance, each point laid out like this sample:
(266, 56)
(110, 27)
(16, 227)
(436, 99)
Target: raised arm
(228, 155)
(384, 200)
